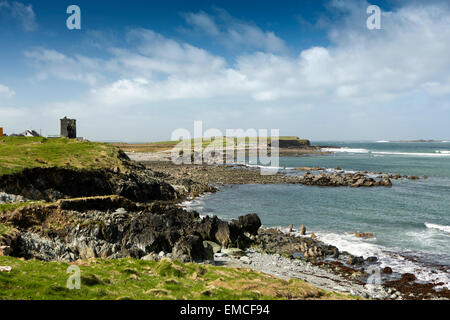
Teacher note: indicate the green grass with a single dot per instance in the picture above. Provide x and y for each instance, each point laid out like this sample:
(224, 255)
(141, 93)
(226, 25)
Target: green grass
(167, 145)
(137, 279)
(18, 153)
(4, 229)
(6, 207)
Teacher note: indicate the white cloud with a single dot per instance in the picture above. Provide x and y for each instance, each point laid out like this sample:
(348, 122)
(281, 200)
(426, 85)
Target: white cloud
(409, 54)
(202, 22)
(6, 92)
(24, 14)
(234, 33)
(52, 63)
(405, 62)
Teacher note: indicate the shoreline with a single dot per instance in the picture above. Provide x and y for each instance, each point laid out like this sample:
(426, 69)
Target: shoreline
(398, 289)
(157, 187)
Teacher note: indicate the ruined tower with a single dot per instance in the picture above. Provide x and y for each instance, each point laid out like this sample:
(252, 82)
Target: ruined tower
(69, 128)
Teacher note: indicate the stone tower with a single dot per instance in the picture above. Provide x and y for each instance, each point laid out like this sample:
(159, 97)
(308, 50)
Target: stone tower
(69, 128)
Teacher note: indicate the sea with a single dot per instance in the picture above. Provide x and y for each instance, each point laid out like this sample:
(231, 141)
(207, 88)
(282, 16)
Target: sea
(410, 221)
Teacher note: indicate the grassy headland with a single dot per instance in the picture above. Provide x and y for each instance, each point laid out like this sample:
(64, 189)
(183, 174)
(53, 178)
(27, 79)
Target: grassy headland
(121, 278)
(18, 153)
(168, 145)
(138, 279)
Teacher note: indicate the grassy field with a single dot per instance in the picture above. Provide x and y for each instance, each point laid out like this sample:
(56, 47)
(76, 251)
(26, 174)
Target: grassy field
(138, 279)
(5, 207)
(168, 145)
(4, 229)
(18, 153)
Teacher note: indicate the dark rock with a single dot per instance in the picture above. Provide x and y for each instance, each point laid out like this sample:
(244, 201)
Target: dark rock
(352, 260)
(387, 270)
(102, 203)
(191, 248)
(120, 233)
(408, 277)
(250, 223)
(51, 184)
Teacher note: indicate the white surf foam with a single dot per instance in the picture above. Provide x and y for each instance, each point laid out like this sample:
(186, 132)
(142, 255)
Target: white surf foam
(414, 154)
(438, 227)
(345, 149)
(387, 257)
(443, 153)
(382, 141)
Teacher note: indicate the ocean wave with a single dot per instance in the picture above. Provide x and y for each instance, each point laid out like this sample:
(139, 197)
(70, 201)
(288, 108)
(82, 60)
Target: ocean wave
(348, 150)
(382, 141)
(438, 227)
(414, 154)
(438, 153)
(396, 259)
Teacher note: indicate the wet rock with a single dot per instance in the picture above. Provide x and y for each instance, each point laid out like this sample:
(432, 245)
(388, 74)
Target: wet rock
(302, 230)
(363, 235)
(387, 270)
(386, 183)
(408, 277)
(336, 179)
(352, 260)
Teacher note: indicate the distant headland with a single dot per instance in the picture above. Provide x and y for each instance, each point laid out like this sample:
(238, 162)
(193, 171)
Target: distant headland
(417, 141)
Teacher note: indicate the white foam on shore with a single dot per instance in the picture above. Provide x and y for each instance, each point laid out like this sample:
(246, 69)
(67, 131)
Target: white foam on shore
(438, 153)
(392, 258)
(415, 154)
(438, 227)
(346, 150)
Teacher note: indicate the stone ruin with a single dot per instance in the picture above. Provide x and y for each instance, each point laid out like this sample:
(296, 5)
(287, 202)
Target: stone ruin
(69, 128)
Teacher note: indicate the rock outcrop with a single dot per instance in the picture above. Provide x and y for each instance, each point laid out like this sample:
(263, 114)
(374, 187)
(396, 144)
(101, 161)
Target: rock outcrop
(51, 184)
(336, 179)
(49, 232)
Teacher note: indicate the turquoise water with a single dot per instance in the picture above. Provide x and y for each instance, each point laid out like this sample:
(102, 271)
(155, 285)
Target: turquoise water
(411, 220)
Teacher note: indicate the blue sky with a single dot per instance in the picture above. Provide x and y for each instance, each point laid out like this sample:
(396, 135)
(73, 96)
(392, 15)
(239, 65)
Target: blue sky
(138, 70)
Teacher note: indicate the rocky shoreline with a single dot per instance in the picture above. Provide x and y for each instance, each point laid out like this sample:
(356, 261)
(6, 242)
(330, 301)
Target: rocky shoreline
(220, 175)
(83, 214)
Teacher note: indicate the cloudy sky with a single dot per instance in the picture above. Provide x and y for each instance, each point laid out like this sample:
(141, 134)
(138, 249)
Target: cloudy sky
(138, 70)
